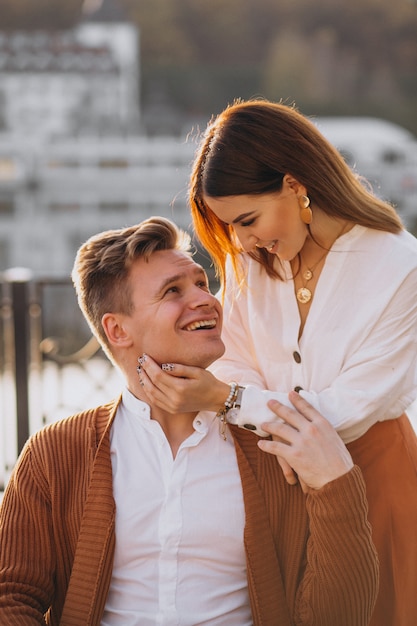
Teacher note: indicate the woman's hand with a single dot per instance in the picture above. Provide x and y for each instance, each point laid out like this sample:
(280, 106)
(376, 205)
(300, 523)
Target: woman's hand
(307, 442)
(177, 388)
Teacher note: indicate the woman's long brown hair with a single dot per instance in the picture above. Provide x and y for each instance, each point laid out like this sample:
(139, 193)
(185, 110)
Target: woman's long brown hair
(247, 149)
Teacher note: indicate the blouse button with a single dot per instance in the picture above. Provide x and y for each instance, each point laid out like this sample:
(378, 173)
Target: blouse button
(297, 357)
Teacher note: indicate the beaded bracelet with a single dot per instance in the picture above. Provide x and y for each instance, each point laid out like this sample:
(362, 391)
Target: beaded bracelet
(230, 400)
(232, 395)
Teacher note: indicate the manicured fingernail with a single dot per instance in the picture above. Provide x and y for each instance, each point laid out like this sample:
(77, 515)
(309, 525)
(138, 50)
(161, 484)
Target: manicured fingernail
(167, 367)
(142, 359)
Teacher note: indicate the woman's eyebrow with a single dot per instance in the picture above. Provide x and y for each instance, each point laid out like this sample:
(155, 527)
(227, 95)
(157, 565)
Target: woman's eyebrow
(242, 216)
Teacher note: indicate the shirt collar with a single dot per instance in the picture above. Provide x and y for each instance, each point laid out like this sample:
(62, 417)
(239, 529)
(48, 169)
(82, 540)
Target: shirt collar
(134, 405)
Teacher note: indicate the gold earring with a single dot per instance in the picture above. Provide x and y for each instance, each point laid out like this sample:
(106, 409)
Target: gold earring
(306, 213)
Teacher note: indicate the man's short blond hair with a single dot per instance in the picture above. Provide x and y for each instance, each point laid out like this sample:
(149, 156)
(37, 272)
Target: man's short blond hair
(102, 265)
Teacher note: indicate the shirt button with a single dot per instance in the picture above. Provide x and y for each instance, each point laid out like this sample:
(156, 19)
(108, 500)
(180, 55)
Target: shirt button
(198, 422)
(249, 426)
(298, 388)
(297, 357)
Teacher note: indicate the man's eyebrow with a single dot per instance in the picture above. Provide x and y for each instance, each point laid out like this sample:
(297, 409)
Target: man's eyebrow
(198, 270)
(242, 216)
(168, 281)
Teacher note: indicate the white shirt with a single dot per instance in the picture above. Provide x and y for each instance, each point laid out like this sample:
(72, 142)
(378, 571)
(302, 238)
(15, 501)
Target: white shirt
(180, 557)
(357, 358)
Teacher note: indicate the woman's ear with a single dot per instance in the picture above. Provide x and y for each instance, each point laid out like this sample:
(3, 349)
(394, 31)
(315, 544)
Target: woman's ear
(116, 332)
(290, 182)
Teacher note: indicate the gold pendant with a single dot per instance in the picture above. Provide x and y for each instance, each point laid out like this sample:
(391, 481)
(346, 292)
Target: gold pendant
(303, 295)
(307, 274)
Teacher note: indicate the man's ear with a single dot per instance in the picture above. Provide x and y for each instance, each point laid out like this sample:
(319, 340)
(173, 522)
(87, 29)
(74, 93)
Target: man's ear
(116, 331)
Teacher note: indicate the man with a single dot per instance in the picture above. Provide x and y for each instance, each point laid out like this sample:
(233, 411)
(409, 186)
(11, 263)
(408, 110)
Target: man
(129, 515)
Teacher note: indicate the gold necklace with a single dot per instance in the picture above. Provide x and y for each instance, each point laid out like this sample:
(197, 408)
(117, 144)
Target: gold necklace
(304, 294)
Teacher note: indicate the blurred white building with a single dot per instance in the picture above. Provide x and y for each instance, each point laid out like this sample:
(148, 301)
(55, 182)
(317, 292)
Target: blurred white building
(384, 153)
(71, 81)
(74, 157)
(56, 193)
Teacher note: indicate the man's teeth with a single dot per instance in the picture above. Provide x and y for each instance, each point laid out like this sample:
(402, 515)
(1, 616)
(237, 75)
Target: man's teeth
(201, 324)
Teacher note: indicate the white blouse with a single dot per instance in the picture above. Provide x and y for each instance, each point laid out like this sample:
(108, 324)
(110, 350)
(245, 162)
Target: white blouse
(356, 361)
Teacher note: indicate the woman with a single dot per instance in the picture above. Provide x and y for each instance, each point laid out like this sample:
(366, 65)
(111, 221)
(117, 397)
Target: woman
(319, 283)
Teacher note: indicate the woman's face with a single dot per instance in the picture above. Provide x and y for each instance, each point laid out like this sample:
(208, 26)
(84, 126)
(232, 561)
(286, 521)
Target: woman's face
(270, 221)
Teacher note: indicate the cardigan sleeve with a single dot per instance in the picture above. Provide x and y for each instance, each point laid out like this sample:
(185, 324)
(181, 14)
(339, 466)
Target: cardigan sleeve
(340, 581)
(41, 520)
(26, 547)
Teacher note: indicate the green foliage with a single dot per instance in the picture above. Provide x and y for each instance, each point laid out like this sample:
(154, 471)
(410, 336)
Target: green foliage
(329, 57)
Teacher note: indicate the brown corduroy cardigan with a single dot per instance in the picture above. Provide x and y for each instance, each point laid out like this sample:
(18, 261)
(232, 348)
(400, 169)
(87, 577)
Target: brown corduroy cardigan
(310, 559)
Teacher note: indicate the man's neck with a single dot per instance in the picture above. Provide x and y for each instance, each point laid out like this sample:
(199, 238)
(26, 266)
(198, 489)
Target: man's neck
(177, 427)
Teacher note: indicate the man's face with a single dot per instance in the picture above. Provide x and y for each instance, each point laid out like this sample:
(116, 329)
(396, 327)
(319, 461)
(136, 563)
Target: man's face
(175, 317)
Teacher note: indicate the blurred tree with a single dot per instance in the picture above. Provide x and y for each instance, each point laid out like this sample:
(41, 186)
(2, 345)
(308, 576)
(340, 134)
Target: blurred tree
(358, 57)
(39, 15)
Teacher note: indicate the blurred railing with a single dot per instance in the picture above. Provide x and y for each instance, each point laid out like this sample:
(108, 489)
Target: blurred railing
(50, 365)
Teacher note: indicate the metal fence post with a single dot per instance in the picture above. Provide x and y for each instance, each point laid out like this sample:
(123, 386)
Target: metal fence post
(21, 339)
(19, 282)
